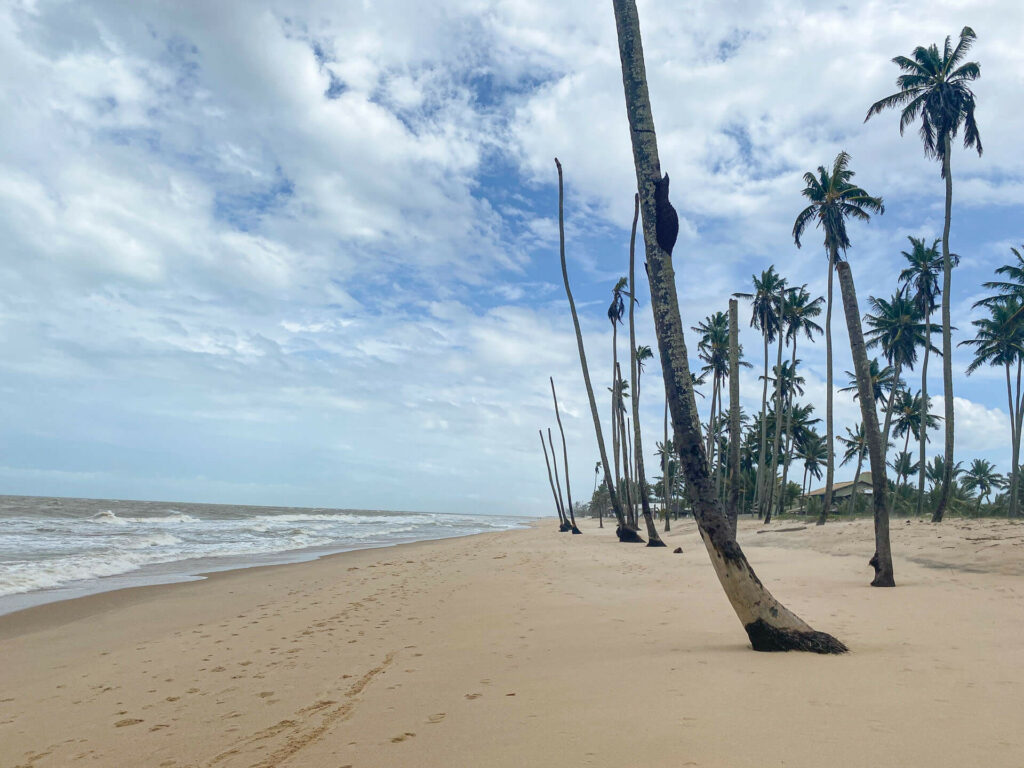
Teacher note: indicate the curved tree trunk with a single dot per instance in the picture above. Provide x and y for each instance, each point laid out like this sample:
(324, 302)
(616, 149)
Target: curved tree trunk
(856, 480)
(803, 490)
(565, 459)
(947, 340)
(562, 525)
(622, 531)
(769, 625)
(733, 507)
(925, 410)
(772, 480)
(830, 461)
(882, 561)
(558, 484)
(897, 369)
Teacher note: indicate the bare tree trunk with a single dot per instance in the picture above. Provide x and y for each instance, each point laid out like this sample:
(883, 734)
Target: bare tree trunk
(759, 484)
(897, 369)
(778, 425)
(925, 410)
(856, 480)
(803, 490)
(558, 484)
(882, 561)
(830, 437)
(1015, 453)
(565, 458)
(947, 340)
(623, 531)
(666, 493)
(735, 436)
(769, 624)
(789, 435)
(562, 525)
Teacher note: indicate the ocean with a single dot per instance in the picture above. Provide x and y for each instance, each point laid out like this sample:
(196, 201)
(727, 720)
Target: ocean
(58, 548)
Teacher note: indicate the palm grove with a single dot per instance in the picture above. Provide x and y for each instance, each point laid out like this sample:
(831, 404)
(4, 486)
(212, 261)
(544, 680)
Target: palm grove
(735, 463)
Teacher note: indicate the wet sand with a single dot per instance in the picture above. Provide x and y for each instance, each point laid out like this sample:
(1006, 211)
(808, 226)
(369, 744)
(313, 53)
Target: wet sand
(533, 648)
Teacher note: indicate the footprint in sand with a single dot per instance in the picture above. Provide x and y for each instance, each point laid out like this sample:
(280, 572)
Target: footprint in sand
(265, 694)
(437, 718)
(403, 737)
(127, 721)
(472, 696)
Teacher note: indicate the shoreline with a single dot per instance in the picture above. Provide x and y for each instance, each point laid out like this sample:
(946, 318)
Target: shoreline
(530, 647)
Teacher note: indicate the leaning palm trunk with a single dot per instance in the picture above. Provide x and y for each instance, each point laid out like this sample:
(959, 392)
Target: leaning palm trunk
(565, 460)
(897, 370)
(732, 508)
(923, 430)
(778, 427)
(562, 525)
(759, 482)
(769, 625)
(856, 479)
(830, 463)
(623, 532)
(789, 436)
(653, 539)
(947, 341)
(558, 484)
(882, 561)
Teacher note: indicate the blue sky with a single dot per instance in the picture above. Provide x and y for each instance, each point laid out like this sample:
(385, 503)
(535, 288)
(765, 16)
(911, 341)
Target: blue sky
(306, 253)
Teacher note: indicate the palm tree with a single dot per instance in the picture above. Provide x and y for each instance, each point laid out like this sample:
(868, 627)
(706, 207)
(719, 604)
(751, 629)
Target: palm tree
(769, 625)
(713, 351)
(766, 317)
(983, 478)
(882, 560)
(563, 525)
(623, 532)
(999, 340)
(908, 412)
(813, 453)
(904, 466)
(880, 381)
(735, 437)
(856, 446)
(616, 311)
(833, 199)
(935, 88)
(922, 278)
(565, 462)
(897, 328)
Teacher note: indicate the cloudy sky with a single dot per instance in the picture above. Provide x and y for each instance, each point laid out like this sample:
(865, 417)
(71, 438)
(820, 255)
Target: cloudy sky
(305, 253)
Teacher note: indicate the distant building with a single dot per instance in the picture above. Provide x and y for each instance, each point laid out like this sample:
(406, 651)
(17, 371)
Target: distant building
(843, 490)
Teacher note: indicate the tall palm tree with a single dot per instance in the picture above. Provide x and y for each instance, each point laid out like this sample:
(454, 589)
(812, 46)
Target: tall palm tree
(713, 351)
(999, 340)
(896, 326)
(982, 477)
(881, 380)
(616, 311)
(909, 412)
(921, 279)
(735, 437)
(765, 316)
(904, 466)
(813, 453)
(769, 625)
(1011, 288)
(856, 446)
(935, 87)
(833, 199)
(623, 531)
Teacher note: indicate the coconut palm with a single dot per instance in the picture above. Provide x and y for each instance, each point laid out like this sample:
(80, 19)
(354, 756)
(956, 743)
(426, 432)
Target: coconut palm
(999, 341)
(766, 316)
(908, 412)
(769, 625)
(982, 477)
(616, 311)
(881, 381)
(623, 532)
(713, 351)
(833, 199)
(856, 446)
(934, 88)
(904, 466)
(813, 453)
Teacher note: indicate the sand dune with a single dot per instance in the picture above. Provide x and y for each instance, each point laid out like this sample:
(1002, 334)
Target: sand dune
(529, 648)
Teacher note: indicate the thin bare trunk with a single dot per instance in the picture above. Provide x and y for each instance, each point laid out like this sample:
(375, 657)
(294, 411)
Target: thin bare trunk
(778, 425)
(923, 431)
(666, 493)
(852, 509)
(733, 507)
(565, 458)
(789, 435)
(947, 340)
(623, 531)
(830, 461)
(769, 625)
(762, 473)
(562, 525)
(882, 561)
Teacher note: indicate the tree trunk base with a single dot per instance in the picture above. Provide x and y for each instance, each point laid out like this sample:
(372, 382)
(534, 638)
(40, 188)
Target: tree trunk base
(656, 543)
(576, 530)
(628, 535)
(882, 578)
(766, 638)
(564, 527)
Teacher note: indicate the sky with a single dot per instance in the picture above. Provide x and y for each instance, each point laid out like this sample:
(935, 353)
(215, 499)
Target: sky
(306, 253)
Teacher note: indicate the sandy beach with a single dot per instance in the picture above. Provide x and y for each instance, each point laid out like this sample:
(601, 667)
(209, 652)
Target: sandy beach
(530, 648)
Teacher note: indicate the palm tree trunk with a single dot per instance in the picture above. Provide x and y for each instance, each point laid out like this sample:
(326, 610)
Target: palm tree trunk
(923, 429)
(897, 369)
(733, 507)
(623, 531)
(803, 490)
(665, 492)
(558, 485)
(904, 479)
(616, 436)
(947, 339)
(1015, 452)
(769, 625)
(856, 479)
(565, 459)
(789, 434)
(761, 480)
(778, 426)
(882, 561)
(830, 463)
(562, 526)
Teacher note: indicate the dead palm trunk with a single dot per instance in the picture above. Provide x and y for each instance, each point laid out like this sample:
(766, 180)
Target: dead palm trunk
(623, 531)
(947, 339)
(562, 525)
(653, 539)
(882, 561)
(769, 625)
(565, 459)
(558, 484)
(830, 462)
(733, 507)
